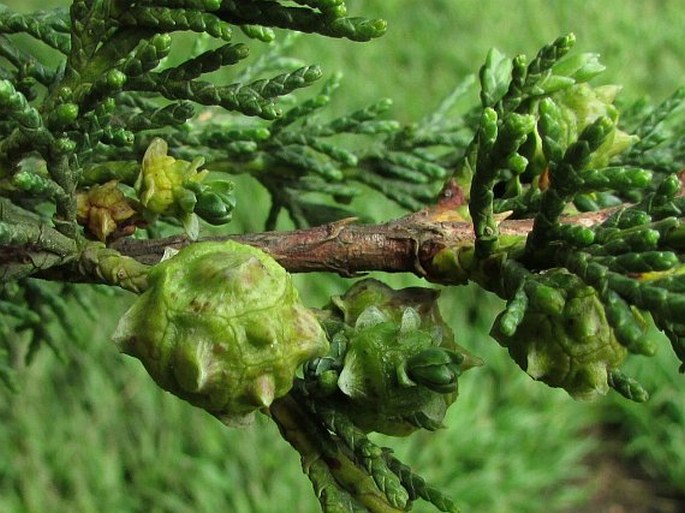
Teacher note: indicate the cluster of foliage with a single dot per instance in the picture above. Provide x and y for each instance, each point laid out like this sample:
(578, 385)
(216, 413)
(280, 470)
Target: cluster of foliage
(108, 145)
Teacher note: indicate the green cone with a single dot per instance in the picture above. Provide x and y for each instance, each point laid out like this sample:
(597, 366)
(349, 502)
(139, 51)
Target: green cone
(401, 366)
(570, 346)
(222, 327)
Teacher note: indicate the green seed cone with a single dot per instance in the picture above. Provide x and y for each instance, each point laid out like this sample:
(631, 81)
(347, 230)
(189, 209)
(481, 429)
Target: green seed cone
(571, 347)
(221, 326)
(386, 384)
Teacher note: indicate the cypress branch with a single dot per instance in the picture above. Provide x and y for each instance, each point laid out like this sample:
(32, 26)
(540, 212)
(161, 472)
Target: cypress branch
(110, 148)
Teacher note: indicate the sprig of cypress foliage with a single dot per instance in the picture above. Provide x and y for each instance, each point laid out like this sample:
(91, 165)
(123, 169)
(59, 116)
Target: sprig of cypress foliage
(111, 141)
(51, 27)
(328, 22)
(115, 50)
(619, 262)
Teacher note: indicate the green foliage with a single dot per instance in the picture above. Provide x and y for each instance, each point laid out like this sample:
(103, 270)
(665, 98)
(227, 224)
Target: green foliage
(84, 155)
(117, 94)
(112, 96)
(543, 140)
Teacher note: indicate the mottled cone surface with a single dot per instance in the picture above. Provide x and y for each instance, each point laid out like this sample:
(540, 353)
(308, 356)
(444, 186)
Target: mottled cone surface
(569, 345)
(221, 325)
(386, 328)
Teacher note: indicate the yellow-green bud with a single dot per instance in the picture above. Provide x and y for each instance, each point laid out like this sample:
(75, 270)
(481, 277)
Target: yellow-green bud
(160, 184)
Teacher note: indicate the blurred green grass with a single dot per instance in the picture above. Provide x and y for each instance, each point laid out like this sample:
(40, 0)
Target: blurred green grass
(93, 433)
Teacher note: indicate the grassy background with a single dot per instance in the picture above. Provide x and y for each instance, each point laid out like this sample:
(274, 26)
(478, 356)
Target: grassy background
(92, 433)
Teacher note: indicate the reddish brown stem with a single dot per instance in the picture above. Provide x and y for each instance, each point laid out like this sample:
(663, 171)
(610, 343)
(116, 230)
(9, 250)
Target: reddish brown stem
(406, 244)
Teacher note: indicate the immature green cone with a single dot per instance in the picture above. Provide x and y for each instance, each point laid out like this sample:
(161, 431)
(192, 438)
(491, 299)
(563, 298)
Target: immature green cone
(401, 366)
(563, 117)
(221, 326)
(580, 106)
(161, 184)
(392, 303)
(565, 341)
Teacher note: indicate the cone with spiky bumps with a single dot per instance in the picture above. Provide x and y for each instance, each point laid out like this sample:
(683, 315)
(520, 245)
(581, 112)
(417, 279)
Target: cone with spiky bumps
(221, 326)
(564, 338)
(401, 365)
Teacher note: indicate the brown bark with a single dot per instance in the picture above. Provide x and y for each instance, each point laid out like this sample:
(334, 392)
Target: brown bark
(406, 244)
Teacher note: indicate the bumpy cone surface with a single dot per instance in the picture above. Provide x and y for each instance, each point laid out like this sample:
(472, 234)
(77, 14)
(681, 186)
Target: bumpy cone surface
(221, 326)
(386, 331)
(570, 346)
